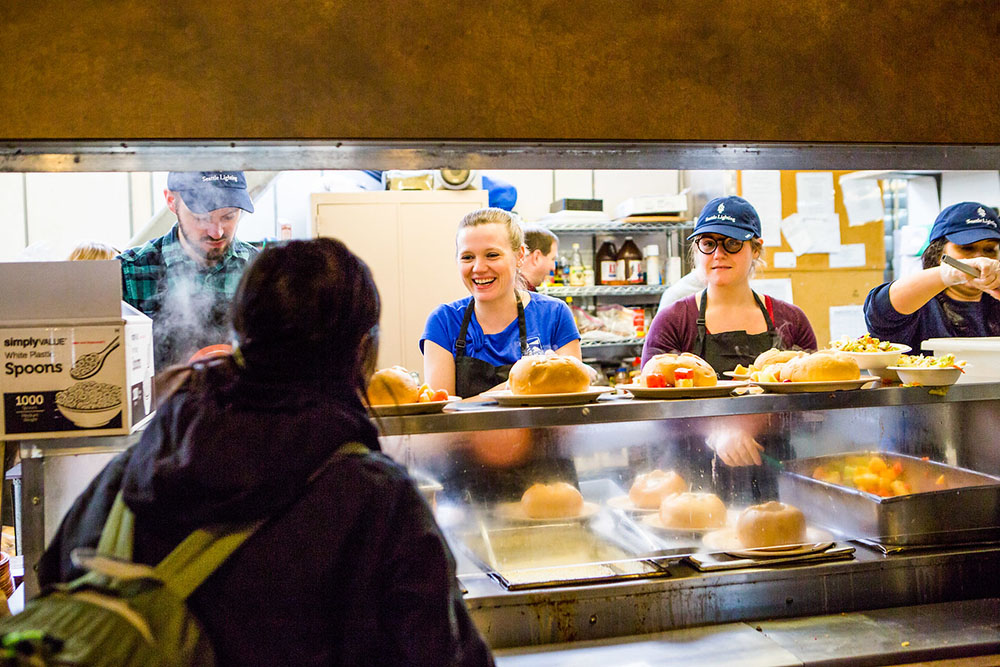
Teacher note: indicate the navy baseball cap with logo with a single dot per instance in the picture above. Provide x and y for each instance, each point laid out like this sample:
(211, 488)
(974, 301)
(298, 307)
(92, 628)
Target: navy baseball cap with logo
(966, 222)
(730, 216)
(206, 191)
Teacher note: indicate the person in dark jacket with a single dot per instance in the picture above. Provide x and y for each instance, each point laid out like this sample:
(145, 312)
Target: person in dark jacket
(349, 569)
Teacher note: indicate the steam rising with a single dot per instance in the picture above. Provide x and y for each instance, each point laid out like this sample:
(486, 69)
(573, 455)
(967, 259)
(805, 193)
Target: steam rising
(191, 315)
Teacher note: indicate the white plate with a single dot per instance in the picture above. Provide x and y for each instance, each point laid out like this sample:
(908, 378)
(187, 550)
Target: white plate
(801, 387)
(927, 377)
(727, 541)
(411, 408)
(625, 503)
(514, 512)
(723, 388)
(878, 359)
(736, 376)
(508, 399)
(653, 521)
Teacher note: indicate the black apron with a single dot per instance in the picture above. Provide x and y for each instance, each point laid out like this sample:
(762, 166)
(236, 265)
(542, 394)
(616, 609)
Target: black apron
(474, 376)
(725, 351)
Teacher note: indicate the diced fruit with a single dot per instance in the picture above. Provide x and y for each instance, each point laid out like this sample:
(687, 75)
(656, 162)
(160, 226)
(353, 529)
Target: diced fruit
(939, 481)
(834, 477)
(898, 467)
(819, 473)
(440, 395)
(877, 464)
(656, 381)
(740, 370)
(899, 488)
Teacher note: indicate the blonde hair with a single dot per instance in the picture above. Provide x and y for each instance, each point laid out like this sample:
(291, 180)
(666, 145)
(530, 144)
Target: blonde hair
(495, 216)
(93, 250)
(756, 245)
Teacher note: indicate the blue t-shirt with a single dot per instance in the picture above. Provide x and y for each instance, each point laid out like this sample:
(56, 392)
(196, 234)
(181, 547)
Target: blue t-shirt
(548, 323)
(977, 318)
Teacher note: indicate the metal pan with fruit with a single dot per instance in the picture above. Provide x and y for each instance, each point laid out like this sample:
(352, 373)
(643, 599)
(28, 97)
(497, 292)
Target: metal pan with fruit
(894, 499)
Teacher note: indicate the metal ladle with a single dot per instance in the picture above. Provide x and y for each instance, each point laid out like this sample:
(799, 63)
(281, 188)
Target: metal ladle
(89, 364)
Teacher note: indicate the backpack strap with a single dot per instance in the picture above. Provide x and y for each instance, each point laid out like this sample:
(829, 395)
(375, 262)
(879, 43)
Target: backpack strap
(119, 528)
(201, 553)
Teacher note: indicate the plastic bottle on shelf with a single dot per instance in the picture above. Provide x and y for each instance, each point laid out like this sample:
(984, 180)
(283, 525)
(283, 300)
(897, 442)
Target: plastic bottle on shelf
(564, 267)
(652, 252)
(621, 377)
(576, 277)
(588, 276)
(629, 263)
(606, 264)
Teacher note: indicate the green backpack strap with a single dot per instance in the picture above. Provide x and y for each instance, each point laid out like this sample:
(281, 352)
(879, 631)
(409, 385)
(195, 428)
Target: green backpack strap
(119, 528)
(202, 552)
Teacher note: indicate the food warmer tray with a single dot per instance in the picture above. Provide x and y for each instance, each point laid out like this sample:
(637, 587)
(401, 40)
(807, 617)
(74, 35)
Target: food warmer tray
(966, 509)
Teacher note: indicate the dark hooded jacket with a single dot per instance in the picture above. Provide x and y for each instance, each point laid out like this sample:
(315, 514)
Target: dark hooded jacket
(350, 570)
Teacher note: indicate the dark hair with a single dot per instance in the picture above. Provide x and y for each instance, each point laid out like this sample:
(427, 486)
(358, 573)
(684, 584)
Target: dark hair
(308, 309)
(539, 238)
(931, 256)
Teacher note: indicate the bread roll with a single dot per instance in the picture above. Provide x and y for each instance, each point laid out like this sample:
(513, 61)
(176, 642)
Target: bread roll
(665, 364)
(693, 511)
(393, 386)
(775, 356)
(649, 489)
(551, 501)
(771, 524)
(548, 374)
(823, 366)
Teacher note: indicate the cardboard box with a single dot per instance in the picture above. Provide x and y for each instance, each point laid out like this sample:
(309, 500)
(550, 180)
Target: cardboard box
(76, 359)
(652, 205)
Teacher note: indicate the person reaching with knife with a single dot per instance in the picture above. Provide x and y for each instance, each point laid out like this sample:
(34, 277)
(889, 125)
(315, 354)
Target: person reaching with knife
(943, 300)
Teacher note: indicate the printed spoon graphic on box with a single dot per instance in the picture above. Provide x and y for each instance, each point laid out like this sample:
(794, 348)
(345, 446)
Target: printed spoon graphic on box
(88, 365)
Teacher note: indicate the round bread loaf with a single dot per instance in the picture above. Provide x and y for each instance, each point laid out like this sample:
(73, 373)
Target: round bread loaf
(649, 489)
(548, 374)
(823, 366)
(392, 386)
(552, 501)
(775, 356)
(771, 524)
(666, 364)
(693, 511)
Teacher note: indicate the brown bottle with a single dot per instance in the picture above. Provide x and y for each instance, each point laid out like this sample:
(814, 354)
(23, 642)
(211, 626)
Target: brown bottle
(630, 263)
(606, 269)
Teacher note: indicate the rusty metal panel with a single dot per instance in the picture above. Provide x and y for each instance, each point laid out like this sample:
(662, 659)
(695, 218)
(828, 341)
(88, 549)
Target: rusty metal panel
(906, 71)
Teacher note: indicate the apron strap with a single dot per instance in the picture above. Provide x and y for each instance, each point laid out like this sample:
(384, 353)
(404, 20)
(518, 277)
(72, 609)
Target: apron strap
(702, 328)
(763, 310)
(463, 332)
(521, 327)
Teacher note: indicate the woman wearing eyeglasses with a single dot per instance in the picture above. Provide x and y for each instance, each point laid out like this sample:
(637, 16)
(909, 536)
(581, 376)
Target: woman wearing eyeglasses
(727, 323)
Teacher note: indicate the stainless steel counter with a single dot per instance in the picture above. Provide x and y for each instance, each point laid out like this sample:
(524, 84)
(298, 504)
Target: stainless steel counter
(477, 417)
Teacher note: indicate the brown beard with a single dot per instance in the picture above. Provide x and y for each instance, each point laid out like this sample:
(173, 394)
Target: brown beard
(211, 255)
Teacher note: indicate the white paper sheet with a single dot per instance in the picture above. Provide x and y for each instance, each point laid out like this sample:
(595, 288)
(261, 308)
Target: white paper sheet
(797, 234)
(978, 186)
(852, 254)
(812, 233)
(909, 240)
(922, 201)
(777, 288)
(863, 201)
(847, 321)
(763, 190)
(784, 260)
(814, 192)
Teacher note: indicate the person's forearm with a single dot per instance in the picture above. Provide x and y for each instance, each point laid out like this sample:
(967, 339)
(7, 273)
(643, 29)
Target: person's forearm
(908, 295)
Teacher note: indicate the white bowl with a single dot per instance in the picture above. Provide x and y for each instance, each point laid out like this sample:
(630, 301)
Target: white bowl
(868, 360)
(90, 418)
(927, 377)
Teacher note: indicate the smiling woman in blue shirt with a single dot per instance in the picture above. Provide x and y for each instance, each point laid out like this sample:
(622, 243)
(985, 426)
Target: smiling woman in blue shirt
(942, 301)
(469, 345)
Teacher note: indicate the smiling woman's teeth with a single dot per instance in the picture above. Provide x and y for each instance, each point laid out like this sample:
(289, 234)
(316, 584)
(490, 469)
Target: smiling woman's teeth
(483, 281)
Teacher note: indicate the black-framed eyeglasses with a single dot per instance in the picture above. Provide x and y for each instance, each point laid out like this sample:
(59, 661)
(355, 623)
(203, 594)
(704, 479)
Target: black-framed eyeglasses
(707, 245)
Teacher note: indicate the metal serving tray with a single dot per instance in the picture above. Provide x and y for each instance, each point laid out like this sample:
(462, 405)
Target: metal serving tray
(966, 508)
(559, 554)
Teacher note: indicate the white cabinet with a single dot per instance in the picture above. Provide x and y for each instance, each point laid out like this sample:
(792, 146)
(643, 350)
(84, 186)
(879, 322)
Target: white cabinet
(408, 240)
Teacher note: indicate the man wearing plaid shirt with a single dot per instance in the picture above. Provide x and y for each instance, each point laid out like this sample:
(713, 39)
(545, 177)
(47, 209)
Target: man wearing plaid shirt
(186, 279)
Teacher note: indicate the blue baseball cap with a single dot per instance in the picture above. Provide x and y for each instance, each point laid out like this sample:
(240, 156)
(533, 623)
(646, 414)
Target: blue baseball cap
(206, 191)
(966, 222)
(730, 216)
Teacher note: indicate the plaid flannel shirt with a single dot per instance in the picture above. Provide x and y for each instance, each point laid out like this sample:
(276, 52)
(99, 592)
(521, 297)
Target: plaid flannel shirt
(151, 271)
